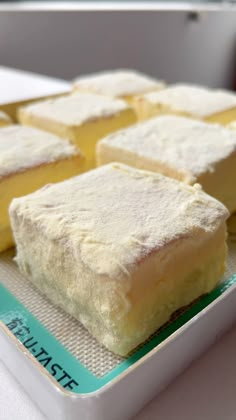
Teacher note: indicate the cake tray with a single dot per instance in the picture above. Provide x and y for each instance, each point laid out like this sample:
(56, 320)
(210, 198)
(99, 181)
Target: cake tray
(70, 376)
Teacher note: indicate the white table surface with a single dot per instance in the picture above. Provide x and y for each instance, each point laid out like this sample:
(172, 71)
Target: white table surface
(204, 391)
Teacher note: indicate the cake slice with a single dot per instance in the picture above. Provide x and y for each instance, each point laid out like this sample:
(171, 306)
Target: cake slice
(120, 249)
(29, 159)
(122, 83)
(182, 148)
(19, 87)
(218, 106)
(4, 119)
(83, 118)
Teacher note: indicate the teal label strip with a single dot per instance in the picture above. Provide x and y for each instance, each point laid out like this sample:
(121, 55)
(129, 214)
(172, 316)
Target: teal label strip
(62, 365)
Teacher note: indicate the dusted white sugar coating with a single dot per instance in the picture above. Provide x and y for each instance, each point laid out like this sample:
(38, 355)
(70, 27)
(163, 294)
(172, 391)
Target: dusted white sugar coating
(24, 147)
(118, 83)
(193, 147)
(77, 109)
(195, 100)
(113, 217)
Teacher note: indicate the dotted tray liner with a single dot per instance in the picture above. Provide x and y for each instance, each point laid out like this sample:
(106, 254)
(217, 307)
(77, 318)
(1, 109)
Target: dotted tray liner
(71, 334)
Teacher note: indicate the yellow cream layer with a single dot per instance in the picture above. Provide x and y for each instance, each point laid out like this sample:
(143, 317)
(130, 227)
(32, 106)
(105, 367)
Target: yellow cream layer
(133, 101)
(221, 184)
(4, 119)
(22, 183)
(87, 135)
(84, 132)
(223, 118)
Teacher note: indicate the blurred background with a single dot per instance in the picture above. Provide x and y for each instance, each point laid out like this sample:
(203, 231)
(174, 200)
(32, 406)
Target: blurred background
(186, 45)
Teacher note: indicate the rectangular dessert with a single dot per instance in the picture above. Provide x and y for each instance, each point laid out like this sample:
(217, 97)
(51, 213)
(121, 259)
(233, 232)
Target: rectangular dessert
(218, 106)
(19, 87)
(82, 117)
(123, 252)
(182, 148)
(121, 83)
(4, 119)
(29, 159)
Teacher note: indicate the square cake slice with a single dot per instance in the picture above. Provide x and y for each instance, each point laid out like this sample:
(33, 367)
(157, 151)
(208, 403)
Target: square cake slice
(182, 148)
(120, 249)
(121, 83)
(4, 119)
(29, 159)
(218, 106)
(84, 118)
